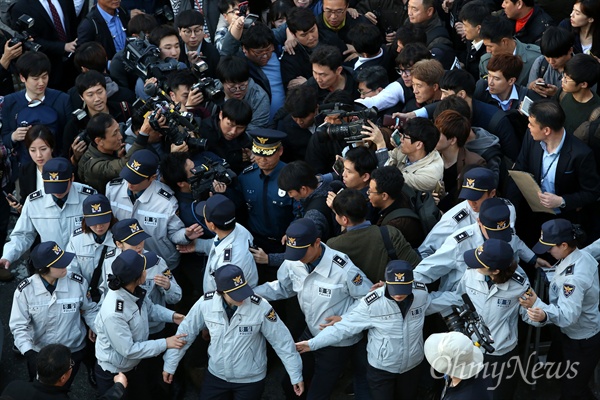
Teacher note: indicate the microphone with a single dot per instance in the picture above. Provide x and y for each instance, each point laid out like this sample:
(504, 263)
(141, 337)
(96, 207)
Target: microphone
(337, 186)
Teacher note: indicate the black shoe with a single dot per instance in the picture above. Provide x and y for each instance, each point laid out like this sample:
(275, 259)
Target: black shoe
(92, 378)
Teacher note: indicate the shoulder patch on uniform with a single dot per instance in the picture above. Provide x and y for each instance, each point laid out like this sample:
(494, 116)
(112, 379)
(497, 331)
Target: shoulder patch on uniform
(167, 272)
(116, 182)
(271, 315)
(119, 306)
(419, 285)
(23, 284)
(568, 289)
(255, 299)
(340, 261)
(459, 216)
(87, 190)
(36, 195)
(77, 278)
(249, 168)
(371, 297)
(570, 269)
(506, 201)
(209, 295)
(357, 280)
(518, 278)
(165, 194)
(227, 254)
(110, 253)
(78, 231)
(462, 236)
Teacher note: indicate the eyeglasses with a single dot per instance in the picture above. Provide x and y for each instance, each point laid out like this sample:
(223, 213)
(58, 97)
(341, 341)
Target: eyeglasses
(237, 88)
(188, 32)
(566, 80)
(408, 137)
(260, 53)
(370, 192)
(334, 12)
(363, 92)
(234, 11)
(401, 71)
(71, 364)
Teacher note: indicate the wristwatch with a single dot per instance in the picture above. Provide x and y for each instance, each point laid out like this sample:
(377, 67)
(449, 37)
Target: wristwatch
(563, 204)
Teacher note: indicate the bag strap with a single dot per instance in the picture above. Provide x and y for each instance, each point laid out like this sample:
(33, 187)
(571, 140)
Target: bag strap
(385, 234)
(398, 213)
(94, 292)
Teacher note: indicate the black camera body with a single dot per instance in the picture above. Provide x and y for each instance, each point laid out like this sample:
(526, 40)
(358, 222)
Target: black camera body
(143, 59)
(347, 131)
(21, 35)
(81, 120)
(203, 176)
(211, 89)
(466, 320)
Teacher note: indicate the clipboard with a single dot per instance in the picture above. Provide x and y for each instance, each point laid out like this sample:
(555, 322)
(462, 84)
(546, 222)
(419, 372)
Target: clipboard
(530, 189)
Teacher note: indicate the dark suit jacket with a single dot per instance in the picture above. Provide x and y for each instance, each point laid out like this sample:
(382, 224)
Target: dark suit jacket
(576, 179)
(27, 180)
(94, 28)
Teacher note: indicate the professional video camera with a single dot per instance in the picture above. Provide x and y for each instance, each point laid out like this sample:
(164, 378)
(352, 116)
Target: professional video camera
(466, 320)
(143, 59)
(21, 35)
(212, 89)
(347, 131)
(202, 181)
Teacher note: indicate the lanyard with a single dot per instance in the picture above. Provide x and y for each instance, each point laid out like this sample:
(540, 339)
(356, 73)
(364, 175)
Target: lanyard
(549, 166)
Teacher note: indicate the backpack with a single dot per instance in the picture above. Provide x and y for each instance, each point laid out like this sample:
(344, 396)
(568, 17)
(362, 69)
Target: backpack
(42, 114)
(423, 208)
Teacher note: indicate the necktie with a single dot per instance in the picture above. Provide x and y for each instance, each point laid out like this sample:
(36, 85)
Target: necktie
(59, 202)
(62, 36)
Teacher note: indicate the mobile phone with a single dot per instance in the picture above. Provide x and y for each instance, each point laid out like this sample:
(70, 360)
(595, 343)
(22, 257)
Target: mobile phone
(243, 7)
(542, 84)
(338, 166)
(388, 120)
(254, 247)
(10, 197)
(250, 19)
(396, 137)
(525, 104)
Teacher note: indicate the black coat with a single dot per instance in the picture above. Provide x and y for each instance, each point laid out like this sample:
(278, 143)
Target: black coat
(94, 28)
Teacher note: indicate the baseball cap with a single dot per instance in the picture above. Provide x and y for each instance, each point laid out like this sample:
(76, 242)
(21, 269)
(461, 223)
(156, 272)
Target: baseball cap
(129, 265)
(494, 254)
(398, 277)
(218, 209)
(477, 181)
(265, 142)
(453, 354)
(129, 231)
(231, 280)
(142, 165)
(96, 210)
(554, 232)
(56, 174)
(494, 215)
(300, 235)
(50, 254)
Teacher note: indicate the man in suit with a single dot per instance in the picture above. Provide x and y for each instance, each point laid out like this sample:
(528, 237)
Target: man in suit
(55, 29)
(563, 166)
(106, 23)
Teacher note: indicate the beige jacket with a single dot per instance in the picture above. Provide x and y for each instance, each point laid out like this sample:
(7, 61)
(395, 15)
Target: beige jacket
(421, 175)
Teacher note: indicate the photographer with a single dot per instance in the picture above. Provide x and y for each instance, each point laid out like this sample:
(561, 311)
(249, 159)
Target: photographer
(191, 30)
(9, 54)
(105, 157)
(329, 75)
(180, 84)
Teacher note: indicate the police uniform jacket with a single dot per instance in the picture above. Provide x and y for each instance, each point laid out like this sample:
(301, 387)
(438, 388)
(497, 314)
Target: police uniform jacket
(574, 296)
(122, 328)
(158, 294)
(41, 215)
(88, 252)
(395, 342)
(448, 265)
(237, 349)
(270, 209)
(498, 305)
(334, 287)
(458, 217)
(156, 210)
(233, 249)
(38, 318)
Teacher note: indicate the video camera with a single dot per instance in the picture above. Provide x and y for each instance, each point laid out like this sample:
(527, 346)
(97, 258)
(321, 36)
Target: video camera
(466, 320)
(350, 132)
(212, 89)
(143, 59)
(203, 176)
(81, 120)
(21, 35)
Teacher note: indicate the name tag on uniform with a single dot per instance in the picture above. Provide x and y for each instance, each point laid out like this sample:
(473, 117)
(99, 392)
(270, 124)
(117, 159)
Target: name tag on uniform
(416, 312)
(150, 221)
(245, 330)
(78, 220)
(324, 292)
(504, 303)
(69, 308)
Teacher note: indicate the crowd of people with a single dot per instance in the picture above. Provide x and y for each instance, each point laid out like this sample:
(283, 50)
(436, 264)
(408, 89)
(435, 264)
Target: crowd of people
(194, 179)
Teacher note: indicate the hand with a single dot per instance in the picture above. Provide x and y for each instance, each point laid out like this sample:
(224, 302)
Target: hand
(121, 153)
(303, 347)
(447, 5)
(176, 342)
(78, 148)
(16, 205)
(91, 335)
(11, 53)
(436, 197)
(247, 155)
(284, 239)
(536, 314)
(330, 197)
(353, 13)
(186, 248)
(527, 300)
(181, 148)
(404, 116)
(178, 319)
(4, 263)
(330, 321)
(19, 134)
(195, 98)
(371, 17)
(540, 262)
(219, 187)
(376, 285)
(146, 127)
(547, 91)
(205, 335)
(237, 27)
(193, 57)
(297, 81)
(162, 281)
(459, 27)
(194, 231)
(350, 54)
(299, 388)
(135, 12)
(290, 42)
(71, 46)
(120, 378)
(550, 200)
(167, 377)
(390, 37)
(373, 134)
(260, 257)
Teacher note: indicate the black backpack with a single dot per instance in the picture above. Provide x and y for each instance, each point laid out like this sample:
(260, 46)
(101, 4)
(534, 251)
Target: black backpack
(423, 208)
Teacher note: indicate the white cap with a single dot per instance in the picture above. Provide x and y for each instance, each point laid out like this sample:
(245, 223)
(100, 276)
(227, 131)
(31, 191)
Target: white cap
(453, 354)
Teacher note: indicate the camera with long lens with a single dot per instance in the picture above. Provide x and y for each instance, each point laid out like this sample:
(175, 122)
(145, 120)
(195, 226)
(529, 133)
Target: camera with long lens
(177, 130)
(164, 14)
(212, 89)
(81, 120)
(201, 182)
(21, 35)
(350, 132)
(143, 59)
(466, 320)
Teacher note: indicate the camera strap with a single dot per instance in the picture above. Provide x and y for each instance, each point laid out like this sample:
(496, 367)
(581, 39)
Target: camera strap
(385, 234)
(94, 291)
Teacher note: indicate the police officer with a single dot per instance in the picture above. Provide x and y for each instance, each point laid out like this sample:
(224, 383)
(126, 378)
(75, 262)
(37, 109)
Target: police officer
(270, 209)
(122, 323)
(47, 307)
(478, 185)
(53, 213)
(394, 315)
(231, 244)
(137, 194)
(238, 322)
(92, 241)
(573, 305)
(448, 264)
(328, 285)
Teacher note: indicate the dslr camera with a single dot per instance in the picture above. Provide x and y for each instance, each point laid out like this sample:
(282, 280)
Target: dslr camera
(21, 35)
(346, 131)
(203, 176)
